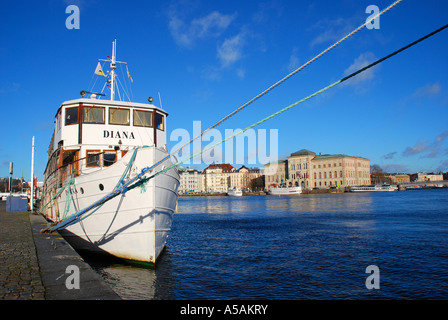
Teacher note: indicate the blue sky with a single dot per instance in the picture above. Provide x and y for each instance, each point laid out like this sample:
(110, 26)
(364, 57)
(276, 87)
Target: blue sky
(206, 58)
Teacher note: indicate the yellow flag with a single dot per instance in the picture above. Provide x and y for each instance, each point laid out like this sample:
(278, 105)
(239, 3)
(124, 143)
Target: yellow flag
(99, 70)
(129, 75)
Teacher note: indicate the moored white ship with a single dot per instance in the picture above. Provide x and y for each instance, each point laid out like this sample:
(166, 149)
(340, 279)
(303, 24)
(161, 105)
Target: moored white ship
(378, 188)
(100, 191)
(235, 192)
(284, 190)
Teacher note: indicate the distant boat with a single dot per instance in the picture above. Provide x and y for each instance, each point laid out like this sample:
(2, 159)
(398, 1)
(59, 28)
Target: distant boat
(373, 188)
(234, 192)
(283, 190)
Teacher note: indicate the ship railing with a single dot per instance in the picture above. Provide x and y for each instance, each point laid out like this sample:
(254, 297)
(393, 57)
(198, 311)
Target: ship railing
(70, 170)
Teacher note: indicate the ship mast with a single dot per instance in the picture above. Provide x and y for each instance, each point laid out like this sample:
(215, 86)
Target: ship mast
(113, 66)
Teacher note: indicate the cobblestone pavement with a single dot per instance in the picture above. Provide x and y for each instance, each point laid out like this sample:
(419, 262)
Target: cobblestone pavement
(33, 266)
(20, 277)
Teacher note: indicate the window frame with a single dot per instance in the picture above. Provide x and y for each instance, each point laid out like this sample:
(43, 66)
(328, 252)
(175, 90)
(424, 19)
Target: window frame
(65, 116)
(120, 124)
(134, 111)
(162, 123)
(93, 107)
(98, 152)
(110, 152)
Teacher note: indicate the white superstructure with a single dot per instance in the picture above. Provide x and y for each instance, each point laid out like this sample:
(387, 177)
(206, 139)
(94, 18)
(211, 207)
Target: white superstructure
(373, 188)
(282, 190)
(235, 192)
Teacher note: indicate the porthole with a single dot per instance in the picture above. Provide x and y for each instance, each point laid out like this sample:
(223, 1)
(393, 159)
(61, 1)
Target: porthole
(101, 187)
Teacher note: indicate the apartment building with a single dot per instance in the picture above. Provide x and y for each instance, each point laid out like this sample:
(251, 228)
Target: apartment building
(247, 179)
(191, 181)
(217, 177)
(275, 173)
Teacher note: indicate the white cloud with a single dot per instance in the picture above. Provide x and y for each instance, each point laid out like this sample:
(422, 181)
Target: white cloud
(362, 61)
(419, 147)
(293, 60)
(389, 155)
(241, 73)
(427, 149)
(427, 91)
(334, 29)
(210, 26)
(231, 50)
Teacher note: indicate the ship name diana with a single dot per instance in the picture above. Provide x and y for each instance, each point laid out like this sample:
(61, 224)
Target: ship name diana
(118, 134)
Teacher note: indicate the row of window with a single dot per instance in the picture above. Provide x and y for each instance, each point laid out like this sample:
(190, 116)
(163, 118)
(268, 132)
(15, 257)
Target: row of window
(96, 158)
(330, 175)
(299, 166)
(117, 116)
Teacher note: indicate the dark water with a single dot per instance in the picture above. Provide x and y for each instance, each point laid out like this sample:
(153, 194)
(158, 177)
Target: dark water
(298, 247)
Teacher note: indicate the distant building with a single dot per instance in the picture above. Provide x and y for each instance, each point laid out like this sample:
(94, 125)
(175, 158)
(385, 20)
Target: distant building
(217, 177)
(248, 179)
(421, 177)
(191, 181)
(306, 169)
(399, 178)
(275, 173)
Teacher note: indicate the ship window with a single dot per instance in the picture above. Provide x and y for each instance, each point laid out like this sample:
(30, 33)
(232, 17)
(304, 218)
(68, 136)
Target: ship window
(119, 116)
(93, 159)
(93, 115)
(142, 118)
(160, 123)
(109, 157)
(71, 116)
(58, 120)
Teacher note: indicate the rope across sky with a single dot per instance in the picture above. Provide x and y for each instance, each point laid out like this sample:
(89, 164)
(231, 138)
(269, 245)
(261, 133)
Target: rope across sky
(305, 99)
(272, 87)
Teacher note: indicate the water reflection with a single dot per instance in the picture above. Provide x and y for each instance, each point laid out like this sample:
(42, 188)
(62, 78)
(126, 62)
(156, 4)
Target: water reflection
(132, 282)
(297, 247)
(321, 203)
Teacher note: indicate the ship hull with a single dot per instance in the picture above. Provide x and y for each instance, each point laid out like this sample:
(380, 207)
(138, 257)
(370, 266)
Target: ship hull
(235, 193)
(133, 225)
(285, 190)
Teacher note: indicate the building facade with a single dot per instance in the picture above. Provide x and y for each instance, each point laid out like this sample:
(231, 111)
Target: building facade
(217, 177)
(421, 177)
(191, 181)
(306, 169)
(247, 179)
(399, 178)
(275, 173)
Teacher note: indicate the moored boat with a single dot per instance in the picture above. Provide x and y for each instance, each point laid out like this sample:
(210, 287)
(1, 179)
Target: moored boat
(99, 189)
(234, 192)
(284, 190)
(376, 188)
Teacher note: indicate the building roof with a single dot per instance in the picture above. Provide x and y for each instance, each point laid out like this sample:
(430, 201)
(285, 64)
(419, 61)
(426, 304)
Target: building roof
(276, 162)
(224, 166)
(330, 156)
(303, 152)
